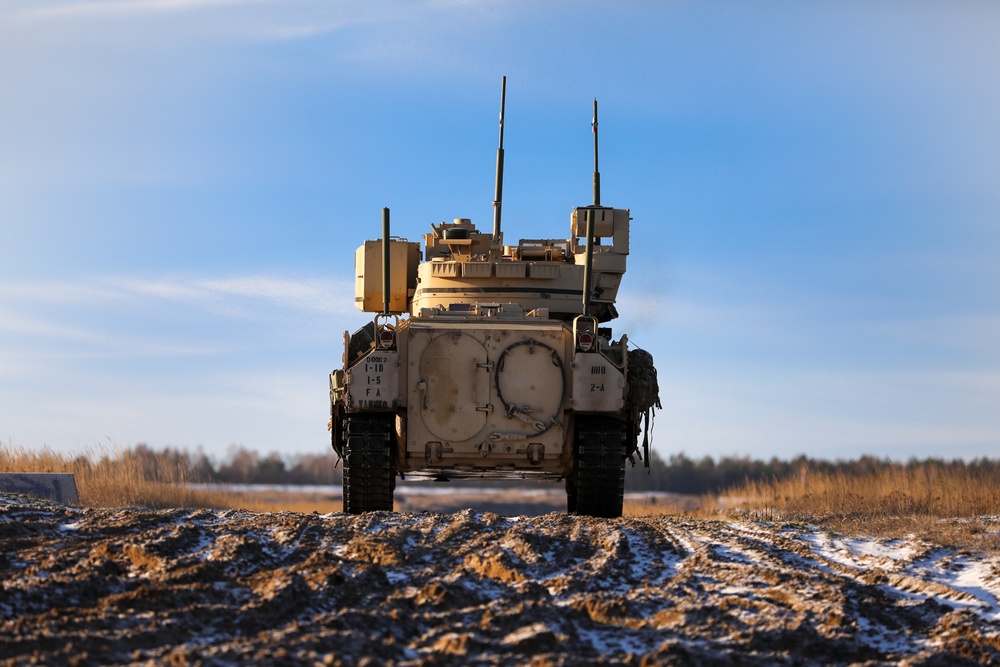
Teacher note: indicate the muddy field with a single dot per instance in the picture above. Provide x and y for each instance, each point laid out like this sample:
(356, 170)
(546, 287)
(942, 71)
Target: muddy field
(82, 586)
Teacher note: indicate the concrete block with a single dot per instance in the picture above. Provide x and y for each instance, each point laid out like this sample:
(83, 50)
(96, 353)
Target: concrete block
(58, 486)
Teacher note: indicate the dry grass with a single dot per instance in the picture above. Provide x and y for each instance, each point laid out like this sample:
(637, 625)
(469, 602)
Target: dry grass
(650, 504)
(281, 501)
(949, 504)
(953, 505)
(118, 478)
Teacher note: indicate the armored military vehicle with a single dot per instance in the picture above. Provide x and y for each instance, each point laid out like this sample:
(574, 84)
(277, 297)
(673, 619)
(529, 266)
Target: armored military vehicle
(490, 361)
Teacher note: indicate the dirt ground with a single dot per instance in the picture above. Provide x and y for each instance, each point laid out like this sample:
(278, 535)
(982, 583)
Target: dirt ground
(194, 586)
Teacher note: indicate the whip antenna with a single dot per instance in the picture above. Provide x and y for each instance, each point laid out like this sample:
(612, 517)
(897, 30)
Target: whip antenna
(498, 196)
(597, 174)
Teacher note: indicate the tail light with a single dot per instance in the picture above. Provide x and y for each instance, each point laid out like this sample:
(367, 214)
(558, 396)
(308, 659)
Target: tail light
(585, 341)
(386, 338)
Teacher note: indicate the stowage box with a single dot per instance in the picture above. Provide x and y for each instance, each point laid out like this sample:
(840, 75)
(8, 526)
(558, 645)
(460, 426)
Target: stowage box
(404, 257)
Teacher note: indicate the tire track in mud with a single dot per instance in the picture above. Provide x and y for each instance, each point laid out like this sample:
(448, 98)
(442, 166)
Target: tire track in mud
(209, 587)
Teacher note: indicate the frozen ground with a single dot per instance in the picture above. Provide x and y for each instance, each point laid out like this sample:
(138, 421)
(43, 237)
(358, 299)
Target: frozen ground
(228, 587)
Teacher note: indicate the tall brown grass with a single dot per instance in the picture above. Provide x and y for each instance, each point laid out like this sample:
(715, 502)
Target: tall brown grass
(951, 503)
(118, 477)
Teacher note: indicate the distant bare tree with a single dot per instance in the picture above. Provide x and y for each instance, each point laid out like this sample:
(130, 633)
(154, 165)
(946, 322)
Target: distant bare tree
(270, 470)
(241, 468)
(315, 469)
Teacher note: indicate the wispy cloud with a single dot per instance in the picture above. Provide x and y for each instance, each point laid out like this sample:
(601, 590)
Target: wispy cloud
(114, 8)
(46, 339)
(172, 357)
(171, 317)
(250, 19)
(227, 295)
(12, 322)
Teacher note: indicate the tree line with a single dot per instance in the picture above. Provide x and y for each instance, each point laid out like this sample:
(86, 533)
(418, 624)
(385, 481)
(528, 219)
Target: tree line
(681, 474)
(240, 466)
(677, 473)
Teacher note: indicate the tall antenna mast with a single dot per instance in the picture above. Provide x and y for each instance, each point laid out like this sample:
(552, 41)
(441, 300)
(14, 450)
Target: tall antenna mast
(385, 262)
(589, 256)
(498, 196)
(597, 174)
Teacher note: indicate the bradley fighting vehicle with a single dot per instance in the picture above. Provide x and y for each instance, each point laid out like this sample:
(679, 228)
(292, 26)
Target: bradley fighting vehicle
(488, 360)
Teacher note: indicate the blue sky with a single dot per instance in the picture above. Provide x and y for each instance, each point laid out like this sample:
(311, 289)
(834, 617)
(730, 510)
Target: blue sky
(813, 186)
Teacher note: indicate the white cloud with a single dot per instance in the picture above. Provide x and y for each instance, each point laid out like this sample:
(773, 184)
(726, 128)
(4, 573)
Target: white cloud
(267, 19)
(307, 295)
(171, 361)
(57, 292)
(116, 8)
(250, 297)
(122, 318)
(37, 341)
(13, 322)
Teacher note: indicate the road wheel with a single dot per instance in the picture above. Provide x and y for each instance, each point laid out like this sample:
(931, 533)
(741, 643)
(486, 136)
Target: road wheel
(369, 472)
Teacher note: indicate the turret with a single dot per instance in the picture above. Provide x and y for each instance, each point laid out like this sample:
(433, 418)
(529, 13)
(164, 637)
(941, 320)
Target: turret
(464, 268)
